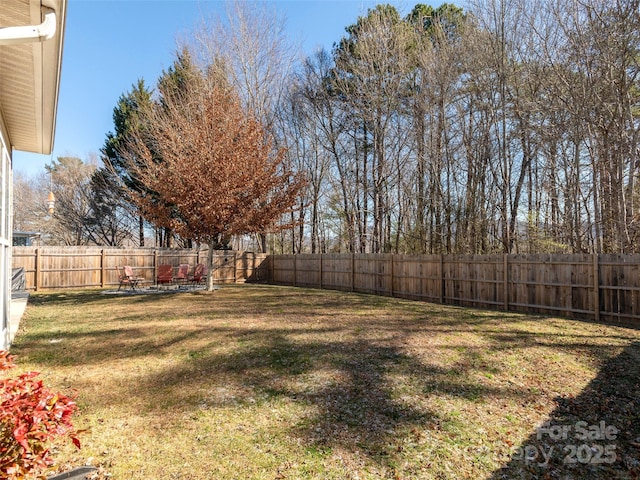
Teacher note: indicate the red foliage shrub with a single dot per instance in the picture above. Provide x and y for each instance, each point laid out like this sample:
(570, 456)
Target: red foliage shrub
(31, 416)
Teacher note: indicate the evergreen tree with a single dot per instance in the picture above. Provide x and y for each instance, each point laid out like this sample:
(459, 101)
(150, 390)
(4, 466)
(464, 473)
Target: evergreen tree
(126, 120)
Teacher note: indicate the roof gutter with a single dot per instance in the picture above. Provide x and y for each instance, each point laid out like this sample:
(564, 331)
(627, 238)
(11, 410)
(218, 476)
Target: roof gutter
(30, 33)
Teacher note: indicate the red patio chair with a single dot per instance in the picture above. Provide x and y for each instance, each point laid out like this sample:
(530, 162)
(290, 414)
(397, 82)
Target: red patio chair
(127, 277)
(183, 274)
(122, 278)
(199, 274)
(133, 278)
(165, 274)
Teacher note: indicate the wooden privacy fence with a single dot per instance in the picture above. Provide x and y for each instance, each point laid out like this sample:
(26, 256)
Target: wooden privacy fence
(595, 287)
(599, 287)
(79, 267)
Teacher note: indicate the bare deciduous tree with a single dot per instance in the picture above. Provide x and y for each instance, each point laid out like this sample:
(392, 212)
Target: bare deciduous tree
(252, 49)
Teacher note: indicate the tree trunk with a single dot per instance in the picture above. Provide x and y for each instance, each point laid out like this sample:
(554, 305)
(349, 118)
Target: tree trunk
(210, 253)
(141, 230)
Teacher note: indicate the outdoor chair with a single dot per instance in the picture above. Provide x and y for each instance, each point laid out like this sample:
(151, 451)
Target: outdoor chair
(134, 280)
(165, 274)
(127, 277)
(183, 274)
(122, 278)
(199, 274)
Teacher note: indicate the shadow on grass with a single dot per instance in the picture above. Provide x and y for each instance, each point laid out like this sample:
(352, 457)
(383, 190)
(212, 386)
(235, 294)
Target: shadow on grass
(364, 391)
(347, 386)
(80, 297)
(595, 435)
(62, 298)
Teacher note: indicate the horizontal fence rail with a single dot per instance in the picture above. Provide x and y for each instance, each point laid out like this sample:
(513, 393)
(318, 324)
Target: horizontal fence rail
(598, 287)
(80, 267)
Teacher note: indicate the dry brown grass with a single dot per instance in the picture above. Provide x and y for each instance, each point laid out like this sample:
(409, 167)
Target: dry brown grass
(262, 382)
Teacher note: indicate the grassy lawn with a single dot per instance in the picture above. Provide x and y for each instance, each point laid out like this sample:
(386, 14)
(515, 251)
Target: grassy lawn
(264, 382)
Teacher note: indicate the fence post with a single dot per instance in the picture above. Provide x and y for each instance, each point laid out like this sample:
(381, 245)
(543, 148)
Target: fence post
(271, 268)
(295, 269)
(155, 265)
(596, 286)
(391, 271)
(442, 283)
(235, 268)
(37, 273)
(505, 268)
(102, 267)
(353, 272)
(321, 270)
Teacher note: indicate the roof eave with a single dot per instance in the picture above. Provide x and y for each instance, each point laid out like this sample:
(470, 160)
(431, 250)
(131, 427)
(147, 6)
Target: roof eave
(31, 75)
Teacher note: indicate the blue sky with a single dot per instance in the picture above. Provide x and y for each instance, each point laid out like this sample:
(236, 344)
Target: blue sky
(110, 44)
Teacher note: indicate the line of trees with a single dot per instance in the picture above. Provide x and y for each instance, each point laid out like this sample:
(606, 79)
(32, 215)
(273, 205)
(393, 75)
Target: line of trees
(511, 127)
(87, 209)
(507, 126)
